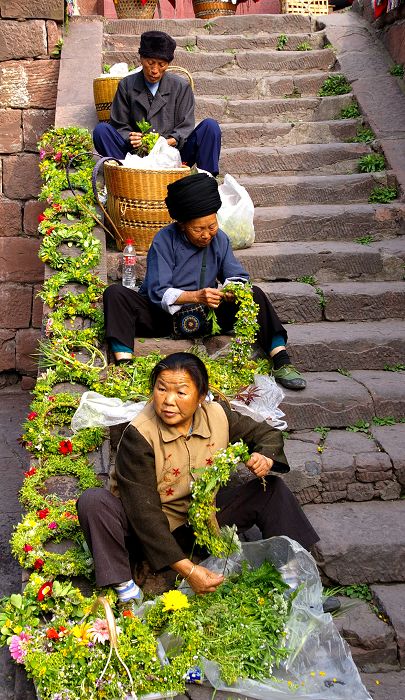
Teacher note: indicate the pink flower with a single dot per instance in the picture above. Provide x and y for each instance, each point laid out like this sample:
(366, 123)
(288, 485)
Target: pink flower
(42, 154)
(53, 525)
(38, 564)
(48, 327)
(58, 156)
(99, 631)
(18, 646)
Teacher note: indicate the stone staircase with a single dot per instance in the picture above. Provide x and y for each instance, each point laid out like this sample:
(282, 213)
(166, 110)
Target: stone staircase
(343, 300)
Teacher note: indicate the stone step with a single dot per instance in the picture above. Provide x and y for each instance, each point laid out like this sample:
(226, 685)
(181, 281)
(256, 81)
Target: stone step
(259, 85)
(266, 190)
(325, 261)
(361, 542)
(202, 41)
(391, 601)
(329, 222)
(267, 110)
(280, 133)
(348, 346)
(232, 25)
(323, 158)
(270, 61)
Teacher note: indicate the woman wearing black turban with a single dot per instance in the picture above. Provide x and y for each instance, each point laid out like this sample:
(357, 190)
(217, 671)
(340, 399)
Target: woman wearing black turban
(185, 263)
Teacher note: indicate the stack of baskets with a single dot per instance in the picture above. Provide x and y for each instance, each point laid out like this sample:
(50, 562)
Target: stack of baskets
(305, 7)
(135, 202)
(207, 9)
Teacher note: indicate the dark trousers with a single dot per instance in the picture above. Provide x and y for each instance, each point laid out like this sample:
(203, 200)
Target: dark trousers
(202, 148)
(128, 315)
(108, 534)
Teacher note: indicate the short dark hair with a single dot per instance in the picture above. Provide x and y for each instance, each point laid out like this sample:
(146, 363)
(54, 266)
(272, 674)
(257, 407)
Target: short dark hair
(183, 361)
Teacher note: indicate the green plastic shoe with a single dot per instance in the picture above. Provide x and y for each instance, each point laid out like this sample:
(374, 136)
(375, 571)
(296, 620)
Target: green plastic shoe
(289, 377)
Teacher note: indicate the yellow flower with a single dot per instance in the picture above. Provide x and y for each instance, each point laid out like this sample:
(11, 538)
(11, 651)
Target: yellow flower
(174, 600)
(322, 673)
(81, 632)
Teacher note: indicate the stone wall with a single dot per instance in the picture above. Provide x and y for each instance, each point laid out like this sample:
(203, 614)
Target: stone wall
(28, 86)
(390, 28)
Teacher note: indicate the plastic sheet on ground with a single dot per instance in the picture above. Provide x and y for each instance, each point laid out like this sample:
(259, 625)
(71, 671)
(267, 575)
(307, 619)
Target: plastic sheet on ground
(320, 666)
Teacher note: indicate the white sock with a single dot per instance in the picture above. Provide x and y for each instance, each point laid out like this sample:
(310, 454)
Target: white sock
(127, 591)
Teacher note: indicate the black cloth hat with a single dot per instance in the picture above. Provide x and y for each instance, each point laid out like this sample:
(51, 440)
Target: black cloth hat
(192, 197)
(157, 45)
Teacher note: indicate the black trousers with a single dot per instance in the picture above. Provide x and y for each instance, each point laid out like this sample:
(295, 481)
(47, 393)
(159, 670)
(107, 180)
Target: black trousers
(108, 534)
(128, 315)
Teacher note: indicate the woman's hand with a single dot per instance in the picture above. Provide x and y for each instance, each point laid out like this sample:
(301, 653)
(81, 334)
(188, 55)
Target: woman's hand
(204, 581)
(171, 141)
(210, 296)
(228, 296)
(259, 465)
(135, 139)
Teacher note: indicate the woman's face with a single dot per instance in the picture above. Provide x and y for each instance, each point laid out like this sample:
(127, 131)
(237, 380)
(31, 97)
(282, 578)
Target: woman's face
(175, 398)
(200, 232)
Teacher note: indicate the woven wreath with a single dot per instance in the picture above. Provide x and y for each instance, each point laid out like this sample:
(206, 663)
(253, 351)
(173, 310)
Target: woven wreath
(35, 478)
(51, 290)
(57, 323)
(90, 246)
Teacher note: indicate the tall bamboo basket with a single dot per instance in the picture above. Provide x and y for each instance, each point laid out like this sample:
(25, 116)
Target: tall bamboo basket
(104, 90)
(135, 202)
(133, 9)
(305, 7)
(207, 9)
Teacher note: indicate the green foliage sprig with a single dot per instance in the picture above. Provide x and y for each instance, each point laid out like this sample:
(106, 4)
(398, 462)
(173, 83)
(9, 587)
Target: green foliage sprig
(148, 139)
(381, 194)
(52, 291)
(246, 325)
(335, 84)
(371, 162)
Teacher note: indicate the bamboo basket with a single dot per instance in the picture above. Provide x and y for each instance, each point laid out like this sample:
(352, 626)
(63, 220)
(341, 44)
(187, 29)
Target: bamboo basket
(104, 90)
(207, 9)
(133, 9)
(305, 7)
(135, 202)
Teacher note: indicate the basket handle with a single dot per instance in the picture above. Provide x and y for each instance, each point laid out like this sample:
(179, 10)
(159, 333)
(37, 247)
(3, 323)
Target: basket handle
(94, 187)
(180, 69)
(112, 632)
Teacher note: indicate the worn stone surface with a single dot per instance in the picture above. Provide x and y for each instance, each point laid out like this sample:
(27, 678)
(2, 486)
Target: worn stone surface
(387, 389)
(15, 305)
(361, 542)
(10, 130)
(20, 260)
(26, 343)
(360, 492)
(337, 468)
(276, 132)
(374, 466)
(29, 83)
(37, 308)
(361, 628)
(305, 465)
(364, 300)
(10, 217)
(392, 440)
(21, 179)
(293, 301)
(47, 9)
(349, 442)
(7, 350)
(35, 123)
(387, 686)
(32, 209)
(27, 42)
(391, 600)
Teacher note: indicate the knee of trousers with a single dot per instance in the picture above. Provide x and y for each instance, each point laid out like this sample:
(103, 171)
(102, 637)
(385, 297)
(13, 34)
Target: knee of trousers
(101, 129)
(211, 126)
(93, 503)
(114, 292)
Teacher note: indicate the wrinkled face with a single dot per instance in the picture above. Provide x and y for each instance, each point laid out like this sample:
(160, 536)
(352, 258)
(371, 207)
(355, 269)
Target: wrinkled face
(153, 68)
(201, 231)
(176, 398)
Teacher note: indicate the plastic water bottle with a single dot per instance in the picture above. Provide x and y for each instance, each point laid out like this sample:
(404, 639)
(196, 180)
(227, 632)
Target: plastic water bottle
(129, 265)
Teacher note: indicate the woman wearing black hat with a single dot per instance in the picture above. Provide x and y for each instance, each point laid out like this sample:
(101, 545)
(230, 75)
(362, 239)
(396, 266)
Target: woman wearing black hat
(166, 101)
(185, 263)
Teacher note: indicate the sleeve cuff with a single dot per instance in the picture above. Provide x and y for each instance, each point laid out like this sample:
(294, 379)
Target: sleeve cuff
(169, 298)
(235, 280)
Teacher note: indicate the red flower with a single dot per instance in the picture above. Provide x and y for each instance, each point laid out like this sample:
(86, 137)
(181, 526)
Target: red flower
(41, 217)
(52, 633)
(70, 516)
(51, 398)
(65, 447)
(46, 589)
(127, 613)
(32, 415)
(38, 564)
(30, 472)
(208, 461)
(49, 230)
(58, 155)
(57, 207)
(28, 548)
(42, 513)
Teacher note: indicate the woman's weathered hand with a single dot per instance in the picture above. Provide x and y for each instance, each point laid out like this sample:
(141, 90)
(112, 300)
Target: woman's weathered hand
(259, 465)
(135, 139)
(228, 296)
(210, 296)
(203, 580)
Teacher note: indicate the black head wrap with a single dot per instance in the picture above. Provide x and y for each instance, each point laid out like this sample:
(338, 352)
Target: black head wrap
(157, 45)
(192, 197)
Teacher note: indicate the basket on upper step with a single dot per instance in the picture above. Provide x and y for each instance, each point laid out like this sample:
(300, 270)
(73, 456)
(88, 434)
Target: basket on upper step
(305, 7)
(135, 9)
(136, 202)
(208, 9)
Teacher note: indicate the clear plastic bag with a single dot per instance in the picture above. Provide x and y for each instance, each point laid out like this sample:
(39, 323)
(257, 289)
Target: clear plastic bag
(320, 663)
(235, 216)
(161, 157)
(264, 406)
(98, 411)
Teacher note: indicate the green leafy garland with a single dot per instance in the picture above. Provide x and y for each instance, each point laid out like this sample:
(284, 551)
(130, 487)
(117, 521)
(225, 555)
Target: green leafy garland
(32, 491)
(91, 247)
(52, 290)
(246, 325)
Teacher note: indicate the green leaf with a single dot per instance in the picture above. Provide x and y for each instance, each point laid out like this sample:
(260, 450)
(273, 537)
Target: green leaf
(16, 600)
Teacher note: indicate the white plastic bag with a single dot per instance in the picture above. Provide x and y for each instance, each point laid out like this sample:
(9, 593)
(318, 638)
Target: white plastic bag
(161, 157)
(264, 404)
(98, 411)
(235, 216)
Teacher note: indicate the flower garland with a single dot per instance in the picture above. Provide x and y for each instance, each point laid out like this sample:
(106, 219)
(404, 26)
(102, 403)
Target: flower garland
(56, 323)
(35, 478)
(246, 325)
(90, 257)
(55, 523)
(201, 513)
(54, 411)
(53, 295)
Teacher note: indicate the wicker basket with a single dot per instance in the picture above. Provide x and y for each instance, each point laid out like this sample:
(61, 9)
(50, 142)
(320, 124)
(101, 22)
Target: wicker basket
(305, 7)
(207, 9)
(133, 9)
(104, 90)
(135, 202)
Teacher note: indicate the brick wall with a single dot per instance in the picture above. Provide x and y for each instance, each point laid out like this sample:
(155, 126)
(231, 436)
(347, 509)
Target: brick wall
(28, 86)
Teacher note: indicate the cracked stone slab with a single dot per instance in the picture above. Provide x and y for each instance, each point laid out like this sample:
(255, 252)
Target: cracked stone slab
(305, 464)
(387, 686)
(360, 542)
(391, 600)
(279, 133)
(387, 390)
(348, 301)
(293, 301)
(392, 441)
(349, 442)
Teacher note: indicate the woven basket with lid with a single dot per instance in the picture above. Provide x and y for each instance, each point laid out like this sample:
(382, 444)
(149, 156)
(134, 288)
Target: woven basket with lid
(133, 9)
(207, 9)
